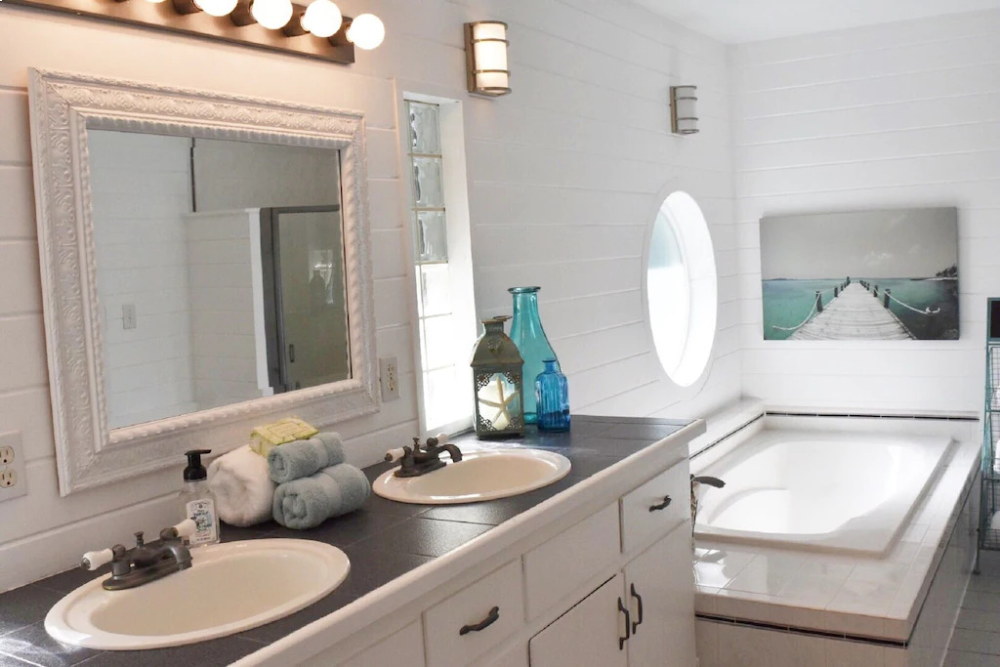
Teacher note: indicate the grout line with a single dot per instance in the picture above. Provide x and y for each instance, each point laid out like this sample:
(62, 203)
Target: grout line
(763, 625)
(21, 660)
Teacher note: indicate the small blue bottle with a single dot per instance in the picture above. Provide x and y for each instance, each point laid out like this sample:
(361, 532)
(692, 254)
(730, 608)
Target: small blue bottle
(552, 398)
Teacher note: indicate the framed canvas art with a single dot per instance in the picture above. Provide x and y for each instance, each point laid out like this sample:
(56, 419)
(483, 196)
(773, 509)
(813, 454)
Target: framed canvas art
(868, 275)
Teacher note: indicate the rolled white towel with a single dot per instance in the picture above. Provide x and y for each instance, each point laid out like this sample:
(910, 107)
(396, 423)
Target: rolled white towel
(243, 491)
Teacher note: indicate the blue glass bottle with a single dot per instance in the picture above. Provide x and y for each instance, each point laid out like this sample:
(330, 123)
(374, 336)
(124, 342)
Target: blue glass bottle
(552, 396)
(527, 333)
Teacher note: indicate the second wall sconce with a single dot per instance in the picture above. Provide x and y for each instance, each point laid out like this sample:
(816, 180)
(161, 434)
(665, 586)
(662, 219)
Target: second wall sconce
(486, 58)
(683, 109)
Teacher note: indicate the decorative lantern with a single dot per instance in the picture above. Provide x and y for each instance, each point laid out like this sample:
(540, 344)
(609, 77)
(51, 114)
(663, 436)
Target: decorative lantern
(498, 383)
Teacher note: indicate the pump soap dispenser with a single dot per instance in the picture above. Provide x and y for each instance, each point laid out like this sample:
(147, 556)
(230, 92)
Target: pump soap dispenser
(198, 502)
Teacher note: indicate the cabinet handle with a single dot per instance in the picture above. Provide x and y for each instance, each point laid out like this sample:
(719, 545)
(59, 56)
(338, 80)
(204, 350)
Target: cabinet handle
(638, 611)
(492, 618)
(666, 502)
(628, 625)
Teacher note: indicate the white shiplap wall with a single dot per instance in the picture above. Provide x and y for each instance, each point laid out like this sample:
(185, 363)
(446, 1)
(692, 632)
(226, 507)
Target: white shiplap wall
(141, 187)
(563, 178)
(900, 115)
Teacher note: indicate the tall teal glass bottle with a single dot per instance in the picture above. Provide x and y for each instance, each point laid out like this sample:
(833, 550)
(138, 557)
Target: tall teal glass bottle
(529, 336)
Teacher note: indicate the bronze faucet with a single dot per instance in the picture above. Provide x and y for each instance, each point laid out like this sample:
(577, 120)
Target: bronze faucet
(420, 460)
(143, 564)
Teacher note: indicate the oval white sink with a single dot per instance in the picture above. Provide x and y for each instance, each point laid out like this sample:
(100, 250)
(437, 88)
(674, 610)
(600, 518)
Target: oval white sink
(477, 477)
(229, 588)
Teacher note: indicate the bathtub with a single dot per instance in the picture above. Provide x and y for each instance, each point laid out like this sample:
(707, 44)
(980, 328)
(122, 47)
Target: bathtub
(839, 492)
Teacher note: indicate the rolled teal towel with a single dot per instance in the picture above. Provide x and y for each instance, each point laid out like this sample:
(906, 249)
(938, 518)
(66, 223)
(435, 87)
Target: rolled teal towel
(302, 458)
(308, 502)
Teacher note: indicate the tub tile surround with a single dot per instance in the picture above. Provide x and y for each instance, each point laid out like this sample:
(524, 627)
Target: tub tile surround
(842, 596)
(384, 541)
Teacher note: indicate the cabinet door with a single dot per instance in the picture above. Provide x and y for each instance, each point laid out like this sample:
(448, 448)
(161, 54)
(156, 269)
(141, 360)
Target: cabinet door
(588, 634)
(661, 580)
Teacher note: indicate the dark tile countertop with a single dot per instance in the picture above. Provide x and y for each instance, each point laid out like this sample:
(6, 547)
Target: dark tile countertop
(383, 539)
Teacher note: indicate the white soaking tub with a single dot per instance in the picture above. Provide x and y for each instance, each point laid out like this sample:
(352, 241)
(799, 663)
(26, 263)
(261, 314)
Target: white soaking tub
(843, 492)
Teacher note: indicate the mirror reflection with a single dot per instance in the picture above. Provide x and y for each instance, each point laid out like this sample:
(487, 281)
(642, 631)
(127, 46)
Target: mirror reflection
(220, 271)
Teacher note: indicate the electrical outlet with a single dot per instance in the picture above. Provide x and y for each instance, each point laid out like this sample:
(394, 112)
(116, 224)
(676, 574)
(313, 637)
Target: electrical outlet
(13, 481)
(389, 378)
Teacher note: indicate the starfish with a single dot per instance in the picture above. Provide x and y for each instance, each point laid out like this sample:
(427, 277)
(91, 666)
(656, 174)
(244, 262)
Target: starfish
(501, 405)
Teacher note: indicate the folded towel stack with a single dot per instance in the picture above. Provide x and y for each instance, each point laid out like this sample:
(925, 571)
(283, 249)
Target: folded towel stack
(309, 501)
(243, 491)
(314, 483)
(303, 458)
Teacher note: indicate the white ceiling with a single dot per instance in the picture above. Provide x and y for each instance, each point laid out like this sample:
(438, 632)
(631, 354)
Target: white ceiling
(735, 21)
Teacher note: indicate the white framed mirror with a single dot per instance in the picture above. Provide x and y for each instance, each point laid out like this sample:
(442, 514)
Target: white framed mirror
(205, 265)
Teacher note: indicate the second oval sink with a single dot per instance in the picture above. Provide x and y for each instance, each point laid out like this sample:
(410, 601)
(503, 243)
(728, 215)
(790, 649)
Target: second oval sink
(479, 476)
(229, 588)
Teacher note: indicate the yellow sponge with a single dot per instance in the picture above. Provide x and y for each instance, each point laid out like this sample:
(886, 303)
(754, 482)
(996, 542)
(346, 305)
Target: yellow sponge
(265, 438)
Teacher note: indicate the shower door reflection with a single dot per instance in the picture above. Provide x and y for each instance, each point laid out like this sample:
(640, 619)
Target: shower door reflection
(305, 304)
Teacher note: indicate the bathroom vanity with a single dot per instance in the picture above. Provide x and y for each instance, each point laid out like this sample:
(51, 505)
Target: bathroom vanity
(594, 569)
(595, 573)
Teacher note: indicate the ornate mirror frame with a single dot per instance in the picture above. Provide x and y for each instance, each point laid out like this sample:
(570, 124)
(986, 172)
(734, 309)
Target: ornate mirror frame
(63, 107)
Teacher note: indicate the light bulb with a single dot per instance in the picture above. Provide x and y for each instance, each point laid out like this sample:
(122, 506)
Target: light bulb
(216, 7)
(322, 18)
(366, 32)
(272, 14)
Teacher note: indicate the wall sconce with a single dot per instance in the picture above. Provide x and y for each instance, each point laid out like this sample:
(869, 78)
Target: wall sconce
(315, 31)
(683, 111)
(486, 58)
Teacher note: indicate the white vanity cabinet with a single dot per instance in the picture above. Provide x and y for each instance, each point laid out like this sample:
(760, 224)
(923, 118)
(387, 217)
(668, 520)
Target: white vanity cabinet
(588, 634)
(602, 578)
(653, 592)
(660, 588)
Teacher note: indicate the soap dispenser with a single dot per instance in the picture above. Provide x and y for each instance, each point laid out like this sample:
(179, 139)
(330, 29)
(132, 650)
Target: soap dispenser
(198, 502)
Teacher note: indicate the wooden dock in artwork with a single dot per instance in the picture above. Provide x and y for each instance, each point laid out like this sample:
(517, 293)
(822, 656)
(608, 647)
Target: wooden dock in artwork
(855, 313)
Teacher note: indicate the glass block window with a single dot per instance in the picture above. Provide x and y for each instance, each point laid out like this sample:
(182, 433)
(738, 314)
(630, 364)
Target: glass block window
(444, 373)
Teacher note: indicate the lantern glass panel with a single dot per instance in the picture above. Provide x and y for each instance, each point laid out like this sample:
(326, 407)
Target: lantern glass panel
(498, 399)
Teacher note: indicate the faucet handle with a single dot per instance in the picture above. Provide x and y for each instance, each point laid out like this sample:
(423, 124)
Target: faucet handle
(93, 560)
(185, 528)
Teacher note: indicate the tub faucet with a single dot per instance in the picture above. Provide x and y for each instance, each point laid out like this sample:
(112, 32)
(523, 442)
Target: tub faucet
(697, 482)
(143, 564)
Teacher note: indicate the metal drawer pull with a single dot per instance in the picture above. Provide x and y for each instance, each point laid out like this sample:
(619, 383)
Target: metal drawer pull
(483, 624)
(666, 502)
(628, 625)
(638, 612)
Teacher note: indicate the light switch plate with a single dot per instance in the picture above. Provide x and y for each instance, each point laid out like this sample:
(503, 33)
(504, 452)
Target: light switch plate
(13, 481)
(389, 378)
(128, 316)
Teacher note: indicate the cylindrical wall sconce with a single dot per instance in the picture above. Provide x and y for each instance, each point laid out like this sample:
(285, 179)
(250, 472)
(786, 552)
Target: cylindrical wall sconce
(486, 58)
(683, 109)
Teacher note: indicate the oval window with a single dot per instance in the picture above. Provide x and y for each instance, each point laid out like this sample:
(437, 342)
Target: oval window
(681, 290)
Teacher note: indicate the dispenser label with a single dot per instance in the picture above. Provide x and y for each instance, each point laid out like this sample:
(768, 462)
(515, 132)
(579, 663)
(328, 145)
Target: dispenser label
(203, 514)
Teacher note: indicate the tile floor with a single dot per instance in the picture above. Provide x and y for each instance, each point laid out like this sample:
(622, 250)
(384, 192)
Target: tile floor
(976, 639)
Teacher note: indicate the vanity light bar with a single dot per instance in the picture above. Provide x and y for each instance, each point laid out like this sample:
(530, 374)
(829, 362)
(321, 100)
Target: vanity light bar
(186, 17)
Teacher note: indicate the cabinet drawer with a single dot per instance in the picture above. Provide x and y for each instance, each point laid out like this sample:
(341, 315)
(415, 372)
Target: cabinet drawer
(405, 648)
(560, 566)
(468, 611)
(641, 520)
